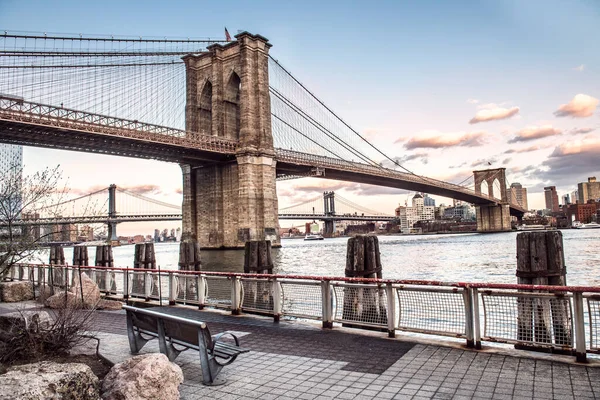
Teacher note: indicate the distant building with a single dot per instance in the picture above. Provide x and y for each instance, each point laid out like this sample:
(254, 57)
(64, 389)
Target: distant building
(10, 155)
(566, 200)
(464, 212)
(86, 234)
(574, 196)
(589, 190)
(584, 213)
(519, 195)
(551, 198)
(418, 212)
(428, 201)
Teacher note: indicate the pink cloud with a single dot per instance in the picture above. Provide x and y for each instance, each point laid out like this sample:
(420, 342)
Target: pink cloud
(535, 132)
(436, 140)
(580, 106)
(492, 114)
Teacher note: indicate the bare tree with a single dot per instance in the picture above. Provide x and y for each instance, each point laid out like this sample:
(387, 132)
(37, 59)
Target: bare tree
(24, 197)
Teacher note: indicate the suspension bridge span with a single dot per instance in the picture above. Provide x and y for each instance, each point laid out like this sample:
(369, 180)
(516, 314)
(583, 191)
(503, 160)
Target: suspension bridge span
(114, 205)
(229, 113)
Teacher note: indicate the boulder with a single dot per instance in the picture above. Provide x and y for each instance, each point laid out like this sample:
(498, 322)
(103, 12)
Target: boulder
(44, 292)
(11, 292)
(91, 291)
(147, 376)
(49, 380)
(29, 320)
(63, 300)
(109, 305)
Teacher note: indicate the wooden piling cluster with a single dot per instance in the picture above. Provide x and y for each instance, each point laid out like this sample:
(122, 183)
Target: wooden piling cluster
(189, 260)
(541, 261)
(104, 258)
(363, 260)
(258, 260)
(57, 276)
(144, 258)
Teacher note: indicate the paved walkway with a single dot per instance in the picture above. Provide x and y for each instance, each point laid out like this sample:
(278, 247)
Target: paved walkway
(292, 360)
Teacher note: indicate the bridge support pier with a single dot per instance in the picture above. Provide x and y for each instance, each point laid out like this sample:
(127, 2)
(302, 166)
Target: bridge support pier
(329, 228)
(228, 203)
(493, 218)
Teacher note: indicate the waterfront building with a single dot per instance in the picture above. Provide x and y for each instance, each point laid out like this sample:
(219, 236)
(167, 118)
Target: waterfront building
(551, 198)
(589, 190)
(464, 212)
(584, 213)
(519, 194)
(10, 156)
(566, 199)
(86, 234)
(428, 201)
(418, 212)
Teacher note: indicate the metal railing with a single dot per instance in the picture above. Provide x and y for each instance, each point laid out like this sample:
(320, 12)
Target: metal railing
(565, 318)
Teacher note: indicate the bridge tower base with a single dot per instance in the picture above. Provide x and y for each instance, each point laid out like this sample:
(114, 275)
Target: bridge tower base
(228, 203)
(328, 228)
(493, 218)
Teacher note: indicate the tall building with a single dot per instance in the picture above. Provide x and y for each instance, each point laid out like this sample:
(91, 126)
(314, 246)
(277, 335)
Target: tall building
(566, 200)
(574, 196)
(10, 155)
(589, 190)
(551, 198)
(519, 194)
(418, 212)
(428, 201)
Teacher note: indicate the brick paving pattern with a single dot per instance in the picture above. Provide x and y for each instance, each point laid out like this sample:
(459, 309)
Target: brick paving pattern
(301, 361)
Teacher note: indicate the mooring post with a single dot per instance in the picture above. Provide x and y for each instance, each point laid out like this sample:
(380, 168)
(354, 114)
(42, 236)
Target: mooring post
(258, 260)
(363, 261)
(189, 260)
(540, 261)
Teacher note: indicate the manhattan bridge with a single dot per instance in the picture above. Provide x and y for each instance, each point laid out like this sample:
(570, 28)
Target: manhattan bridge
(232, 116)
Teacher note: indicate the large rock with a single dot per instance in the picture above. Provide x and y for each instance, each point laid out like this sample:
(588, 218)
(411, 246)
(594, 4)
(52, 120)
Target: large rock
(44, 291)
(63, 300)
(91, 291)
(110, 305)
(147, 376)
(29, 320)
(11, 292)
(49, 380)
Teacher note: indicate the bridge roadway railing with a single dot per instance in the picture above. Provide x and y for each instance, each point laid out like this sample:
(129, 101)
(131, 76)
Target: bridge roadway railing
(312, 160)
(44, 115)
(555, 318)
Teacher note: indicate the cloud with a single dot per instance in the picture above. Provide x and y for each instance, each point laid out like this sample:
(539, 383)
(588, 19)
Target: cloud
(581, 106)
(525, 149)
(576, 131)
(579, 68)
(143, 189)
(484, 162)
(492, 114)
(506, 161)
(535, 132)
(472, 101)
(91, 189)
(179, 190)
(436, 140)
(423, 157)
(570, 163)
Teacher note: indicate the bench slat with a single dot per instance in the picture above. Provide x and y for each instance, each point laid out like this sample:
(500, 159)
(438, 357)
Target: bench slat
(228, 347)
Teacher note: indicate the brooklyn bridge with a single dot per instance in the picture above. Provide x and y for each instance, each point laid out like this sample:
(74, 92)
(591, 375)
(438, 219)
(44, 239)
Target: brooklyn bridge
(229, 113)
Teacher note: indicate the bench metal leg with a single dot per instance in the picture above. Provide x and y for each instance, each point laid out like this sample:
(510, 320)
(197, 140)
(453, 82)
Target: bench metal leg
(165, 347)
(210, 368)
(136, 341)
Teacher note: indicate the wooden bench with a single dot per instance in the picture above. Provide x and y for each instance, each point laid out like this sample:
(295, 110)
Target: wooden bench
(170, 330)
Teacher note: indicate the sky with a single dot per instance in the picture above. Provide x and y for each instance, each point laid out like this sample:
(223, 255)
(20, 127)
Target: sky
(443, 87)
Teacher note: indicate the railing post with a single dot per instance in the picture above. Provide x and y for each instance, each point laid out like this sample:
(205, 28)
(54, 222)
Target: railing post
(476, 322)
(201, 285)
(277, 306)
(125, 284)
(172, 289)
(391, 310)
(147, 286)
(236, 296)
(326, 306)
(580, 350)
(469, 320)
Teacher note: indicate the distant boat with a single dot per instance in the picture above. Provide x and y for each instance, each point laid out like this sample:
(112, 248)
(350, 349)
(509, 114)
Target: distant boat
(591, 225)
(531, 227)
(313, 236)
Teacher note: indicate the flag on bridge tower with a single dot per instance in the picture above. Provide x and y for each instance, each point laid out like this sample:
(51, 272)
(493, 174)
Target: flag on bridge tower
(227, 35)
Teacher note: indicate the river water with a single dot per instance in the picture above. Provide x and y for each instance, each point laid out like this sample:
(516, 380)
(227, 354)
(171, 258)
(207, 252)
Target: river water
(457, 257)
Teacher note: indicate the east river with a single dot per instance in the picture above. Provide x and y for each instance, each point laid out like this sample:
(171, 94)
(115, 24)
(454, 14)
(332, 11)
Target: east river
(460, 257)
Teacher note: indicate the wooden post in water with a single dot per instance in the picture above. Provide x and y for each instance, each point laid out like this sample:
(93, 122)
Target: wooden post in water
(189, 260)
(104, 258)
(258, 260)
(144, 258)
(57, 257)
(363, 261)
(540, 261)
(80, 256)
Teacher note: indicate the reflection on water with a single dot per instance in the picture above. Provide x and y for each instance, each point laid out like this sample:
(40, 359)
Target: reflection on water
(466, 257)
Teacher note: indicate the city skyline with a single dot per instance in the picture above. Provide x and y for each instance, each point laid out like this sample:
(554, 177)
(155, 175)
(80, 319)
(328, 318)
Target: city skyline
(519, 89)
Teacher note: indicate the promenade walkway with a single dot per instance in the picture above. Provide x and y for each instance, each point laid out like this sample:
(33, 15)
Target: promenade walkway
(297, 360)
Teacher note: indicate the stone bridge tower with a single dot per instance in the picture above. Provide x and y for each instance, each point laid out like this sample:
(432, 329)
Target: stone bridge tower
(493, 217)
(226, 204)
